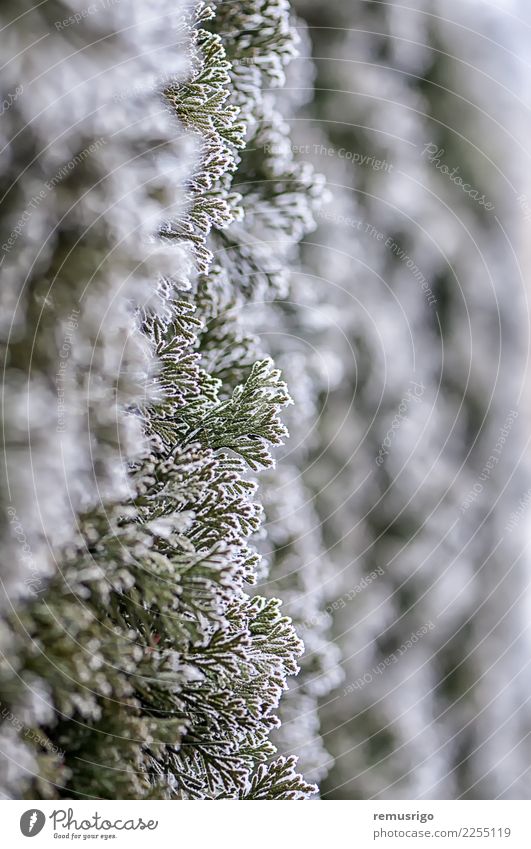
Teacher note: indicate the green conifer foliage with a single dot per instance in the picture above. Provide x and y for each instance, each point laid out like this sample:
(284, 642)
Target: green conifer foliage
(134, 651)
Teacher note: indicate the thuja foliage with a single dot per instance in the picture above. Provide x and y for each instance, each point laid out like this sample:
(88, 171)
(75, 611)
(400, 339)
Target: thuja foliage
(137, 663)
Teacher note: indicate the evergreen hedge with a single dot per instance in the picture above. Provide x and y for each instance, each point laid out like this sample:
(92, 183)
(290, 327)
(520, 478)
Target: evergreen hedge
(148, 217)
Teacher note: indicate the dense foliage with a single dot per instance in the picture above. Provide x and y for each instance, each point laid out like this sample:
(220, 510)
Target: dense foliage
(140, 404)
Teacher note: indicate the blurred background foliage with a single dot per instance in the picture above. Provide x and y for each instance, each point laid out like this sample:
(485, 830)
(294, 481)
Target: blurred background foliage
(420, 325)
